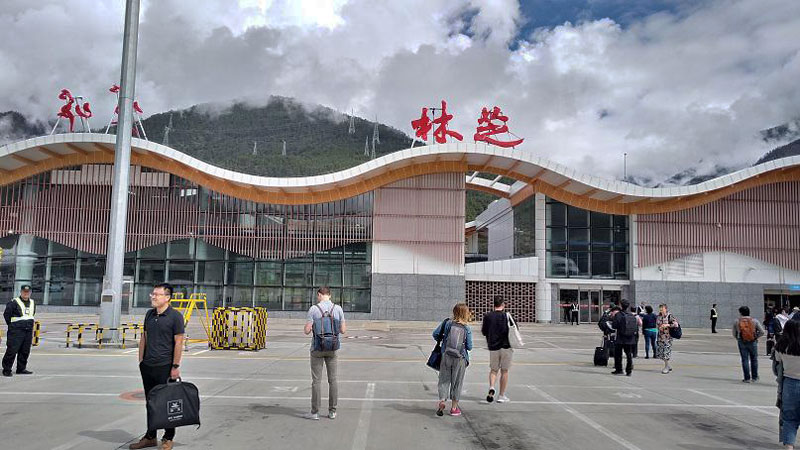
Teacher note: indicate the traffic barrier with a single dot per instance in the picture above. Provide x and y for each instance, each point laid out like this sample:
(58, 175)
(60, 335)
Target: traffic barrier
(79, 328)
(99, 332)
(37, 329)
(239, 328)
(196, 301)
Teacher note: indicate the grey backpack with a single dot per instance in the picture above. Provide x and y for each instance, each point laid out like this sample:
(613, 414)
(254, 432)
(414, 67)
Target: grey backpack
(456, 340)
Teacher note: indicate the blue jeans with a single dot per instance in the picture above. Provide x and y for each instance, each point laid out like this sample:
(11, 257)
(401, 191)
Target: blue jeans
(749, 353)
(650, 341)
(790, 410)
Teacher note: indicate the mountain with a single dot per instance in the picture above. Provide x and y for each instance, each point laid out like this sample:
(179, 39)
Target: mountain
(250, 139)
(790, 149)
(14, 127)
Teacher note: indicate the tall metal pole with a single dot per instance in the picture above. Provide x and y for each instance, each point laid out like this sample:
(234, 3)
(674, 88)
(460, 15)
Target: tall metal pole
(111, 298)
(625, 166)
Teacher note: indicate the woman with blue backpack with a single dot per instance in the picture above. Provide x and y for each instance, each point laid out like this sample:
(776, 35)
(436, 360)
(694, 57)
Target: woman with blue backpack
(456, 338)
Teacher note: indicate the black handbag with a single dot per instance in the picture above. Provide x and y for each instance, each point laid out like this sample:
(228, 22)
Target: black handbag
(675, 332)
(174, 404)
(435, 360)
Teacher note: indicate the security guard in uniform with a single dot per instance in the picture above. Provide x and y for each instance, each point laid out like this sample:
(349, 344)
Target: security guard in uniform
(19, 318)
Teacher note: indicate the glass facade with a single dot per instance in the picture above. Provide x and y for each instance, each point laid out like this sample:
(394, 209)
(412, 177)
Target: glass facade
(67, 277)
(525, 228)
(585, 244)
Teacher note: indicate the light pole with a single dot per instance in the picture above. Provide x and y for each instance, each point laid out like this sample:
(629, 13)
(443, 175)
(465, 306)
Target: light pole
(111, 298)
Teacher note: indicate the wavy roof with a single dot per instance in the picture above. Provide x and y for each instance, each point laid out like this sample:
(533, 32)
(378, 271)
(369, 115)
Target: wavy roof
(535, 174)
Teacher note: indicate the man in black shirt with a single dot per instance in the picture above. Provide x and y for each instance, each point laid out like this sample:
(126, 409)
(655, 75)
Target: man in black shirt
(626, 325)
(495, 328)
(160, 351)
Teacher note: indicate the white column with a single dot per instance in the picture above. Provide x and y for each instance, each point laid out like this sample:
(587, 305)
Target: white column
(544, 302)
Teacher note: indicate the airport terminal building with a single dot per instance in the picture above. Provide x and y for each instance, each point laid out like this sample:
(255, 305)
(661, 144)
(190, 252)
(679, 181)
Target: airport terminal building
(389, 235)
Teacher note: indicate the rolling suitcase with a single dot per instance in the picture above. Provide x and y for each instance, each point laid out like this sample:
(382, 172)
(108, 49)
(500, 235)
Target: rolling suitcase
(601, 354)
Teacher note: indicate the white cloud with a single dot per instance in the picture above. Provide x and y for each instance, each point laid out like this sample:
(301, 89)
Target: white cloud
(670, 90)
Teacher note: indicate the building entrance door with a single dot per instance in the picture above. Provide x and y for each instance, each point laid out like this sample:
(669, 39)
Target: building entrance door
(590, 301)
(590, 306)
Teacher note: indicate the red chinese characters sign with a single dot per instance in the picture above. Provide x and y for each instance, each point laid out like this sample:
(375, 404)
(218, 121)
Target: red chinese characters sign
(491, 124)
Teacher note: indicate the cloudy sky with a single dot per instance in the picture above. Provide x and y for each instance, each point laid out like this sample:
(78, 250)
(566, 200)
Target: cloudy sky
(674, 83)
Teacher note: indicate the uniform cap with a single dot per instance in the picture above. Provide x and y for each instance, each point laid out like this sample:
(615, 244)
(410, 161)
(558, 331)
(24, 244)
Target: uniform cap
(25, 287)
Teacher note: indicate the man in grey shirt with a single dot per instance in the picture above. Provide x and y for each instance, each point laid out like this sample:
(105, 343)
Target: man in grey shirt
(746, 331)
(318, 358)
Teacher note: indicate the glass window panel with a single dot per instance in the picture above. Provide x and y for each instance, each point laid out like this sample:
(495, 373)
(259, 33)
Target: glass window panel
(334, 254)
(141, 295)
(621, 221)
(88, 294)
(92, 269)
(601, 265)
(62, 269)
(181, 249)
(240, 273)
(577, 217)
(60, 293)
(57, 249)
(181, 289)
(211, 272)
(269, 297)
(601, 239)
(328, 274)
(181, 273)
(621, 265)
(601, 220)
(557, 239)
(621, 240)
(578, 239)
(151, 272)
(557, 264)
(40, 268)
(269, 273)
(9, 245)
(358, 275)
(213, 295)
(6, 289)
(154, 252)
(297, 299)
(237, 257)
(239, 296)
(358, 251)
(207, 251)
(556, 215)
(128, 268)
(579, 264)
(298, 274)
(356, 300)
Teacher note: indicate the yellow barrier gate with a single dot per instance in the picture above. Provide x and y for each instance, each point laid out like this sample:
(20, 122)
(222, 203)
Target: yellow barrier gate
(187, 306)
(239, 328)
(81, 328)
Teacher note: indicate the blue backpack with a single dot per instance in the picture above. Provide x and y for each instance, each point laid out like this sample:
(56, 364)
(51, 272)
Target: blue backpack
(326, 332)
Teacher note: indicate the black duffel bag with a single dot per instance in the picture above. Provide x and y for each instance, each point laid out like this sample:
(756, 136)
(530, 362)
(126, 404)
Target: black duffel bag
(174, 404)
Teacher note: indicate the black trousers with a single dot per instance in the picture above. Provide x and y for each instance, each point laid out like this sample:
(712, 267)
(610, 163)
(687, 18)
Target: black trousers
(152, 376)
(713, 324)
(18, 346)
(628, 349)
(574, 316)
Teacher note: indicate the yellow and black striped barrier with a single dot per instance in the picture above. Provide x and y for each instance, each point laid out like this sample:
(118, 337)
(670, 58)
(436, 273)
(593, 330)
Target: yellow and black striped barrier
(37, 330)
(239, 328)
(81, 328)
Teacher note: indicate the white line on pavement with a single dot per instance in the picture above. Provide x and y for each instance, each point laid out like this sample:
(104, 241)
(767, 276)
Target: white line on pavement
(197, 353)
(84, 439)
(730, 402)
(618, 439)
(362, 431)
(127, 352)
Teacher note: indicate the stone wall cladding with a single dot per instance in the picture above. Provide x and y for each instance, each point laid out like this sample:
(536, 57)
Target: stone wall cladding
(414, 297)
(691, 301)
(520, 298)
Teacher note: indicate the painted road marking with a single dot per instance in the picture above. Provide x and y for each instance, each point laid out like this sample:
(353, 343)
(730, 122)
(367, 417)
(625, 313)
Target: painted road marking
(730, 402)
(362, 430)
(583, 418)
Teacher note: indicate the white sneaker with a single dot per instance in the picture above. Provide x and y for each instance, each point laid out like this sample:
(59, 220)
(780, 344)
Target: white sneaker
(331, 414)
(310, 416)
(503, 399)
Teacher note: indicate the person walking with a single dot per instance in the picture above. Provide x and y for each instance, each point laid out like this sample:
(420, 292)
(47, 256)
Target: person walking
(746, 331)
(574, 313)
(495, 328)
(320, 355)
(650, 331)
(626, 324)
(714, 317)
(787, 369)
(457, 340)
(19, 317)
(665, 321)
(160, 353)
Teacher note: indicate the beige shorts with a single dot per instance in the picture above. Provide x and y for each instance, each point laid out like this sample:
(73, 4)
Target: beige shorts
(500, 359)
